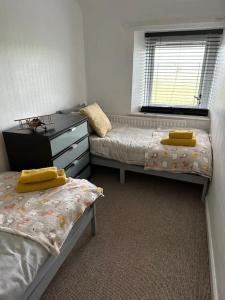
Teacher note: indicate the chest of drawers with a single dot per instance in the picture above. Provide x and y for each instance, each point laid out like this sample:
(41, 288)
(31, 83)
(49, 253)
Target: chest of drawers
(65, 145)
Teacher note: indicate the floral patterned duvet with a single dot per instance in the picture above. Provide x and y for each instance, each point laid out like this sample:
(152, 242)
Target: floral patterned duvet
(197, 160)
(44, 216)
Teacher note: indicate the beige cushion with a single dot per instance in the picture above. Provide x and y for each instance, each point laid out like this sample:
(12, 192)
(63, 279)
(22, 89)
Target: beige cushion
(97, 119)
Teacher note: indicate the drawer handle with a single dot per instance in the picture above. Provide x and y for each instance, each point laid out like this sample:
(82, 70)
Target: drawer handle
(72, 164)
(75, 162)
(71, 129)
(73, 147)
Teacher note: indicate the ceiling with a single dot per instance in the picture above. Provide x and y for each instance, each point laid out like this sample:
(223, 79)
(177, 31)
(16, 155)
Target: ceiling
(143, 12)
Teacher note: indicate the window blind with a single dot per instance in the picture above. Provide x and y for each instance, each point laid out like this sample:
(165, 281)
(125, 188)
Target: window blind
(179, 68)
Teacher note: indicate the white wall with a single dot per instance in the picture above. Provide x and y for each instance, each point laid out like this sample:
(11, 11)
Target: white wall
(109, 40)
(41, 59)
(109, 55)
(216, 196)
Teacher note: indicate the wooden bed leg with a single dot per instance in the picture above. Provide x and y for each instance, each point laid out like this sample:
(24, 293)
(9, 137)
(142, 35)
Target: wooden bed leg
(93, 220)
(122, 176)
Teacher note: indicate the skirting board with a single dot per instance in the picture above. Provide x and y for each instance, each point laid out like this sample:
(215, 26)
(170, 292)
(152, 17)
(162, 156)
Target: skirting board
(214, 291)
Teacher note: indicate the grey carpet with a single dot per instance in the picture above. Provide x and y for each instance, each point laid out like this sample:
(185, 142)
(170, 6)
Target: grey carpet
(151, 243)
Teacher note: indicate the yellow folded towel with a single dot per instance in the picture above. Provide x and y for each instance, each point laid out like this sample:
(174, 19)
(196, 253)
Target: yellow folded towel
(179, 142)
(38, 175)
(43, 185)
(181, 134)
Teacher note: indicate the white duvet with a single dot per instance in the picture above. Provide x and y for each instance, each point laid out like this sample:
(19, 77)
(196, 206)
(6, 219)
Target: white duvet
(20, 259)
(123, 143)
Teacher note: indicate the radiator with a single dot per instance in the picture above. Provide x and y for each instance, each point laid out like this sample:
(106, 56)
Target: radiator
(162, 121)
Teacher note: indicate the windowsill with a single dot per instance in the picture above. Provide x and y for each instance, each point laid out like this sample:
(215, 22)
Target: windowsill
(169, 116)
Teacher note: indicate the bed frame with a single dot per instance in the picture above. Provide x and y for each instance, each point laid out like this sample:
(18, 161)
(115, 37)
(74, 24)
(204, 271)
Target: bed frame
(53, 263)
(123, 167)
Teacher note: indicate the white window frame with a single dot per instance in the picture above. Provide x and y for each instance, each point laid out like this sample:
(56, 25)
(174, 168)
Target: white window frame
(203, 91)
(139, 49)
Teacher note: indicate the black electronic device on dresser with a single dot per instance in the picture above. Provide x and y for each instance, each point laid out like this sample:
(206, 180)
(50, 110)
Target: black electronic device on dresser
(64, 145)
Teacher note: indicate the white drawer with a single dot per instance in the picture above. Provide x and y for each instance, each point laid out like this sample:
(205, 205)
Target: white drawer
(68, 138)
(84, 174)
(77, 165)
(74, 151)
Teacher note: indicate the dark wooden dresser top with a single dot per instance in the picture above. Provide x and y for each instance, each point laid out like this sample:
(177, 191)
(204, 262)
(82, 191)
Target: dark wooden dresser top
(61, 124)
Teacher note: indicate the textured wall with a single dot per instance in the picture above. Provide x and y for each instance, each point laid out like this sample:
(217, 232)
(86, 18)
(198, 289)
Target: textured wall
(41, 59)
(216, 196)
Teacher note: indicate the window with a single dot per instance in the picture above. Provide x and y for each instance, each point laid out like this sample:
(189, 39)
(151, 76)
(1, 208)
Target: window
(179, 68)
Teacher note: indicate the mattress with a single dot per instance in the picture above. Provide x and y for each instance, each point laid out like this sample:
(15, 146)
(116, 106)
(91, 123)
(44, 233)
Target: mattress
(123, 143)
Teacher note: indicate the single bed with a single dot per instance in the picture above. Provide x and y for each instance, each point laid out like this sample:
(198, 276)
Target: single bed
(28, 263)
(130, 148)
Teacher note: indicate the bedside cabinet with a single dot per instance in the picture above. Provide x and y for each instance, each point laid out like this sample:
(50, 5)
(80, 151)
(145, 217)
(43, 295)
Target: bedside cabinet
(64, 145)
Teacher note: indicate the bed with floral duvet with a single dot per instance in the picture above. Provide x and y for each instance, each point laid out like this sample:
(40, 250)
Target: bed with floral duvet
(38, 230)
(136, 149)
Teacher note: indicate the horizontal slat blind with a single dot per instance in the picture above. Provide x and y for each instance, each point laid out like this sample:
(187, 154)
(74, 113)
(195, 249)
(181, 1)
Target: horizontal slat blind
(179, 67)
